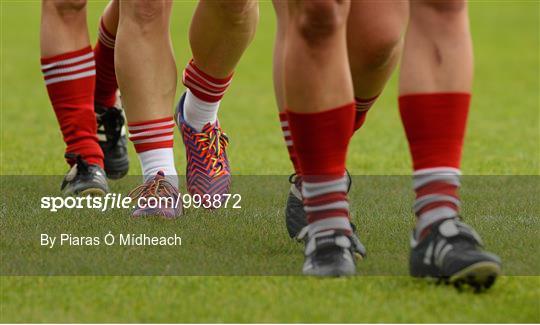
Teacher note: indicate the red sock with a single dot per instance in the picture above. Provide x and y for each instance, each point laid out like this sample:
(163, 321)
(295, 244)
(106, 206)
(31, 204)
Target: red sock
(106, 85)
(70, 79)
(284, 120)
(152, 134)
(321, 141)
(362, 107)
(204, 86)
(435, 128)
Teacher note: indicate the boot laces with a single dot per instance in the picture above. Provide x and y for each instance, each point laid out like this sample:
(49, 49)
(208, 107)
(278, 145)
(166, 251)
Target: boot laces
(213, 144)
(157, 187)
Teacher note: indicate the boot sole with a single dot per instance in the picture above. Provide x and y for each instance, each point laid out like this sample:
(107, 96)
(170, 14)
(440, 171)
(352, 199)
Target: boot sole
(92, 192)
(332, 270)
(480, 276)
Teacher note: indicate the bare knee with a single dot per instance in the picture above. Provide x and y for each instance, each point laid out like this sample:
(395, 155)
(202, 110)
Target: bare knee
(380, 51)
(440, 11)
(146, 14)
(67, 6)
(67, 10)
(319, 20)
(380, 54)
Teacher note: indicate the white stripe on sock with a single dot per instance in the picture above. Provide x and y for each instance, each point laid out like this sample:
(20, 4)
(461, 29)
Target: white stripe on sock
(151, 132)
(310, 190)
(192, 85)
(191, 70)
(151, 126)
(420, 181)
(330, 206)
(423, 201)
(67, 61)
(438, 171)
(70, 69)
(70, 77)
(105, 39)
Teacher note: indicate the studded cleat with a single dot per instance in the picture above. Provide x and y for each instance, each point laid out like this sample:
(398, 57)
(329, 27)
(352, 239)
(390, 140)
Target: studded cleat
(84, 178)
(451, 253)
(332, 253)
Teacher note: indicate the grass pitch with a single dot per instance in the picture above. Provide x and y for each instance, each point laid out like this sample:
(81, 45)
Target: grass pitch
(503, 139)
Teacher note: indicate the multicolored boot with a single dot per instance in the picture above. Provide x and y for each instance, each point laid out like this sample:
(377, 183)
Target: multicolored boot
(156, 197)
(207, 168)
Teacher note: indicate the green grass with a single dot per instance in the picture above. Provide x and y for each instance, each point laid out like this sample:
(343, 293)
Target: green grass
(268, 299)
(252, 240)
(503, 139)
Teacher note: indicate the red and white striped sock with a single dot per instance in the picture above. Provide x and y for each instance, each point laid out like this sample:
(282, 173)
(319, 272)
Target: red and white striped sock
(321, 141)
(153, 141)
(203, 96)
(284, 120)
(326, 204)
(436, 196)
(362, 107)
(70, 79)
(106, 85)
(435, 127)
